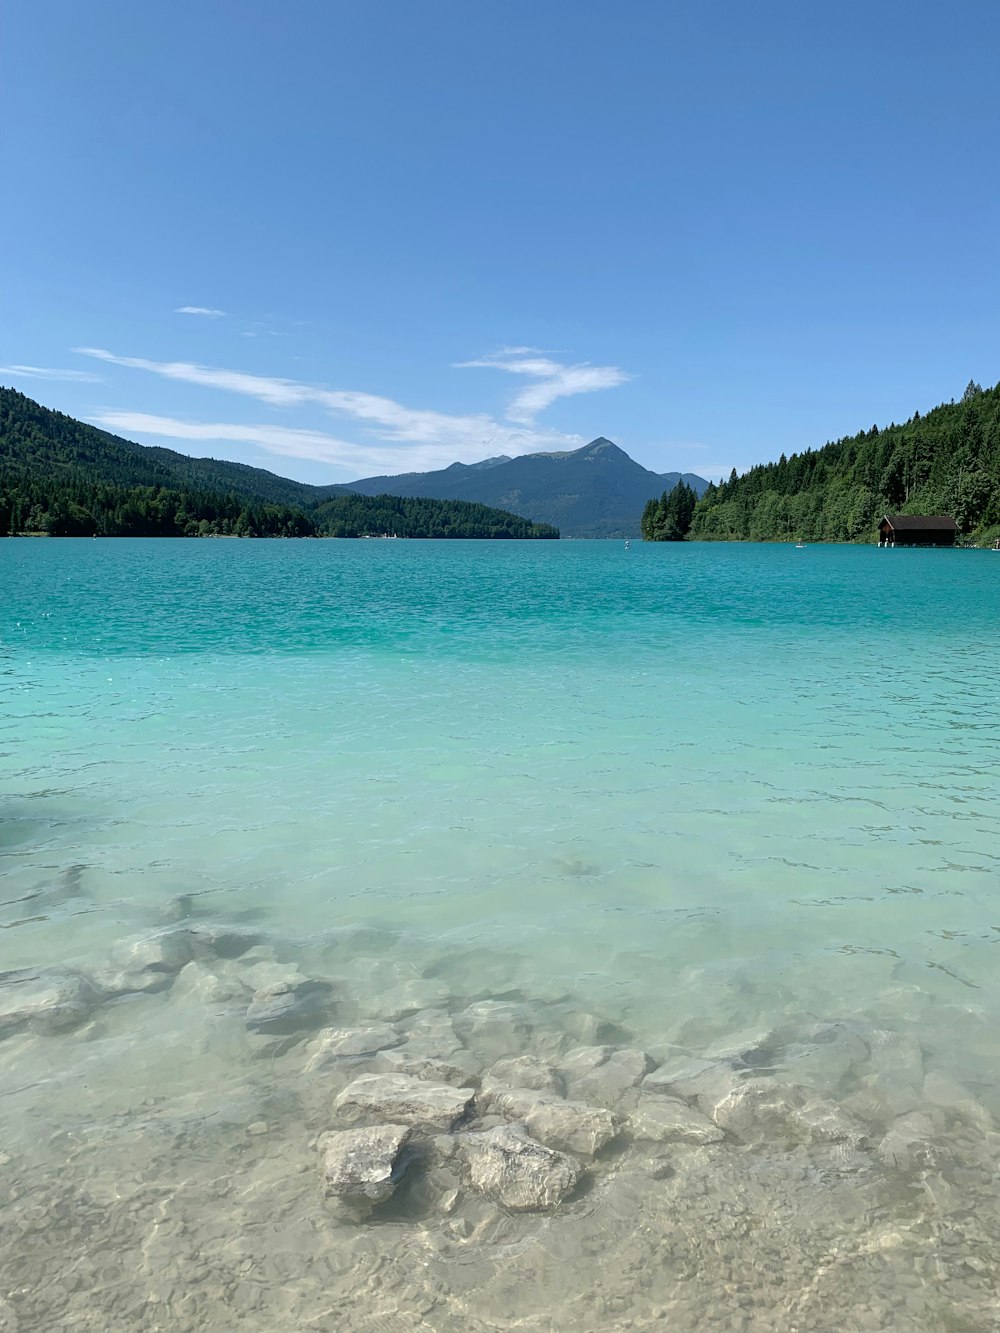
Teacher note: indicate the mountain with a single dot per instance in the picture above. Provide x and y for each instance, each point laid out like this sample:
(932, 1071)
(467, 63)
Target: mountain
(596, 491)
(66, 478)
(946, 462)
(35, 439)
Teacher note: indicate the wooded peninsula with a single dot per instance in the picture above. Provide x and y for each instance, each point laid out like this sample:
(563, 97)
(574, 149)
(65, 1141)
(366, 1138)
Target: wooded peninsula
(946, 462)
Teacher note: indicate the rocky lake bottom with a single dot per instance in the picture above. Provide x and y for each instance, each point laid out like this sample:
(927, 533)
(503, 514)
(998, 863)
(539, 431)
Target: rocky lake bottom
(221, 1130)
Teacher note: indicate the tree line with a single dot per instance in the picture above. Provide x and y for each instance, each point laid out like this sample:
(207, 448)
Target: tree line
(668, 519)
(64, 478)
(945, 462)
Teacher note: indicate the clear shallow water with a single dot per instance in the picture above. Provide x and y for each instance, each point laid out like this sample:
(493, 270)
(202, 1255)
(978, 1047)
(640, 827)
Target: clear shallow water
(710, 796)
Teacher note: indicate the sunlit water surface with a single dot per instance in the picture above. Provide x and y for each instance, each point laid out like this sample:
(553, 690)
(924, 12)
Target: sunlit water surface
(717, 800)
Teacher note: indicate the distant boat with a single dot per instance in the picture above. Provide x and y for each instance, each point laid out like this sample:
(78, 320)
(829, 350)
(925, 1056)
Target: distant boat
(628, 544)
(800, 545)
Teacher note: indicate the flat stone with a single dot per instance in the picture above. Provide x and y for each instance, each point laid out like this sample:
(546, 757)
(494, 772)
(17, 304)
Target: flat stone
(362, 1167)
(690, 1077)
(402, 1099)
(565, 1126)
(495, 1028)
(909, 1144)
(334, 1044)
(752, 1047)
(612, 1082)
(764, 1110)
(223, 941)
(460, 1068)
(895, 1080)
(581, 1060)
(213, 984)
(660, 1119)
(45, 1002)
(178, 908)
(948, 1093)
(405, 999)
(433, 1032)
(524, 1071)
(285, 1007)
(148, 963)
(516, 1172)
(823, 1057)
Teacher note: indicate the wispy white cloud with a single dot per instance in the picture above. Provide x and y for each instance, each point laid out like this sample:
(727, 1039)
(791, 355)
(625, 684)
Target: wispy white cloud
(552, 379)
(448, 436)
(359, 459)
(49, 373)
(207, 312)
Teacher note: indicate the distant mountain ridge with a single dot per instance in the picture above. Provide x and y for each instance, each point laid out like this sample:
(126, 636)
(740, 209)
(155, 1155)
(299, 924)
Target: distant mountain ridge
(594, 491)
(68, 479)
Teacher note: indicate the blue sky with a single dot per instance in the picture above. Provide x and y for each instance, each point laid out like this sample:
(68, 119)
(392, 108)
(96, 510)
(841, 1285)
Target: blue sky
(336, 239)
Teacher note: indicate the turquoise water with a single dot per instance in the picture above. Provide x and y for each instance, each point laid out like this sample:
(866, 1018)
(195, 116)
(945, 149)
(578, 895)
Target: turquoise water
(708, 796)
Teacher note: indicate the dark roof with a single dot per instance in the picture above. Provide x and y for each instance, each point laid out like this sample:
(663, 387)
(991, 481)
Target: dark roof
(921, 522)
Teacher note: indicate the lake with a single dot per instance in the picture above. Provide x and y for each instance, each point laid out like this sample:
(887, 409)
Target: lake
(701, 831)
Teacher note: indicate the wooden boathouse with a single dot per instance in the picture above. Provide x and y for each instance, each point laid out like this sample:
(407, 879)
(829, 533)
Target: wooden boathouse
(917, 530)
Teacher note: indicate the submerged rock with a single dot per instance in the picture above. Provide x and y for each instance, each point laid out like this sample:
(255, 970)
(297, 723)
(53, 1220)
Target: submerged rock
(286, 1007)
(515, 1171)
(403, 1099)
(909, 1144)
(50, 1001)
(495, 1028)
(669, 1120)
(333, 1045)
(223, 941)
(823, 1056)
(524, 1071)
(407, 997)
(362, 1167)
(763, 1110)
(148, 963)
(565, 1126)
(460, 1068)
(609, 1081)
(178, 908)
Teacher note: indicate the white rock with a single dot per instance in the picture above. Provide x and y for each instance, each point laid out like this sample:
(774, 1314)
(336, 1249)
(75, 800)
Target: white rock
(218, 983)
(405, 1100)
(909, 1142)
(409, 997)
(691, 1078)
(362, 1167)
(284, 1008)
(44, 1001)
(566, 1126)
(460, 1068)
(495, 1028)
(896, 1077)
(581, 1060)
(148, 963)
(516, 1172)
(612, 1082)
(524, 1071)
(949, 1094)
(331, 1046)
(763, 1110)
(659, 1119)
(433, 1031)
(822, 1057)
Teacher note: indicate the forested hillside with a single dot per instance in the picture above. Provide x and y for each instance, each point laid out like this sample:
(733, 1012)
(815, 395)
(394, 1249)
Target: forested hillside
(398, 516)
(947, 462)
(61, 477)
